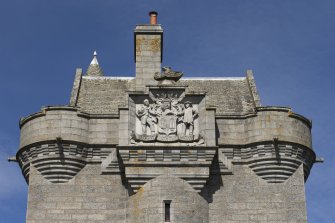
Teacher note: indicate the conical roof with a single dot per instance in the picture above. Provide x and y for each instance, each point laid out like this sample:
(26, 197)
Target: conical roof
(94, 68)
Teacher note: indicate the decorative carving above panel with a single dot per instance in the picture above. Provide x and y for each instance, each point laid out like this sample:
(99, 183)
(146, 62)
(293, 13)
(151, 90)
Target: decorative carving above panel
(168, 74)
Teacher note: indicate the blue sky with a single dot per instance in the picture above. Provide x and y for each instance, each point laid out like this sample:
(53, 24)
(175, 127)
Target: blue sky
(290, 45)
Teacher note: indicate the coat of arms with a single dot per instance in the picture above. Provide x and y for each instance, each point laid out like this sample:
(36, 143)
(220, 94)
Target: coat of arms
(167, 119)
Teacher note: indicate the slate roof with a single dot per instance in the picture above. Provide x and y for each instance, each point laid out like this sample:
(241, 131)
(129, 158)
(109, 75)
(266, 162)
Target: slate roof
(230, 96)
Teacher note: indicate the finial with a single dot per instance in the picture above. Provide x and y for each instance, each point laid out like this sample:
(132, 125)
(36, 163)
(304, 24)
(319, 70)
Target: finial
(94, 68)
(95, 60)
(249, 72)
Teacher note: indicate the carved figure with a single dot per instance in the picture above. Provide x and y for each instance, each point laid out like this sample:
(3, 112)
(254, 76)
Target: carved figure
(144, 113)
(168, 119)
(189, 114)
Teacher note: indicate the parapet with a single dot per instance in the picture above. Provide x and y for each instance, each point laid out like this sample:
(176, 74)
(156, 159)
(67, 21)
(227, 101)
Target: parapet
(264, 124)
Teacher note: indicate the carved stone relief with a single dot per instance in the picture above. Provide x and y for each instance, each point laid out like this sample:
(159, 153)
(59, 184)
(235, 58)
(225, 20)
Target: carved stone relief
(168, 74)
(168, 118)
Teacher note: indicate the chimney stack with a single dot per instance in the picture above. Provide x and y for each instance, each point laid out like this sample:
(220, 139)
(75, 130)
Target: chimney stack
(153, 17)
(148, 51)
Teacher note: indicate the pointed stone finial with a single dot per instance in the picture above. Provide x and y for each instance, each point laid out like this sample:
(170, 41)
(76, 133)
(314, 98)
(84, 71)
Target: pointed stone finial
(94, 68)
(250, 72)
(95, 59)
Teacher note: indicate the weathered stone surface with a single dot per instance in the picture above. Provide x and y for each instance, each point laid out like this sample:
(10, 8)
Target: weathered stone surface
(186, 204)
(104, 95)
(76, 86)
(244, 197)
(68, 123)
(89, 197)
(266, 124)
(82, 167)
(148, 54)
(205, 152)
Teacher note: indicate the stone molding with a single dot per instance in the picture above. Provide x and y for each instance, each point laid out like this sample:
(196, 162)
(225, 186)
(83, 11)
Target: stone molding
(59, 161)
(274, 161)
(76, 87)
(147, 162)
(253, 89)
(287, 110)
(80, 113)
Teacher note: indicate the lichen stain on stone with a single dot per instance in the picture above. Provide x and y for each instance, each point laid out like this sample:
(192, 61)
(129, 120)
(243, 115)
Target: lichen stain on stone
(280, 129)
(138, 45)
(139, 169)
(268, 118)
(155, 45)
(137, 198)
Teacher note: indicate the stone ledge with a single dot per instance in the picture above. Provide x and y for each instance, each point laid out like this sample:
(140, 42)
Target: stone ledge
(80, 113)
(143, 163)
(274, 161)
(60, 161)
(264, 109)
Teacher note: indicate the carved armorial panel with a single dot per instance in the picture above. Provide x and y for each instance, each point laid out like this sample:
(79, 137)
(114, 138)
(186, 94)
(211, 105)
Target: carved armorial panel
(166, 116)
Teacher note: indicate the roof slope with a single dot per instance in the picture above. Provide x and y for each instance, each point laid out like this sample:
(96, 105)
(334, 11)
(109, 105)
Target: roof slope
(229, 96)
(105, 95)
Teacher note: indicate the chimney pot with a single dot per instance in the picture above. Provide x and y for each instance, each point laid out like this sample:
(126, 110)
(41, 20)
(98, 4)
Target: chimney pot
(153, 17)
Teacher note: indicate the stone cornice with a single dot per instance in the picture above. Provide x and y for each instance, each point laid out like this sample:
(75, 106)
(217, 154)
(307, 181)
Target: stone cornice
(44, 110)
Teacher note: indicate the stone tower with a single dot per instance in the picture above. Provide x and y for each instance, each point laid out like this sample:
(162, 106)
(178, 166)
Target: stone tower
(162, 148)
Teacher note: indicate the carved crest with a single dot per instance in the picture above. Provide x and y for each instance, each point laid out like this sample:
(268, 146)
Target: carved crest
(168, 74)
(167, 119)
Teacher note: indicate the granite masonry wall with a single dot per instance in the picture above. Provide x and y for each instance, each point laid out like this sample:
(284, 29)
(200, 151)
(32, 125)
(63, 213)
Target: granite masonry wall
(244, 197)
(89, 197)
(266, 124)
(84, 163)
(147, 205)
(68, 123)
(77, 173)
(148, 54)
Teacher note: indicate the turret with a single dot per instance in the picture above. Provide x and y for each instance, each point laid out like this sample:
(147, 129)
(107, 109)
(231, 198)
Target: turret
(94, 68)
